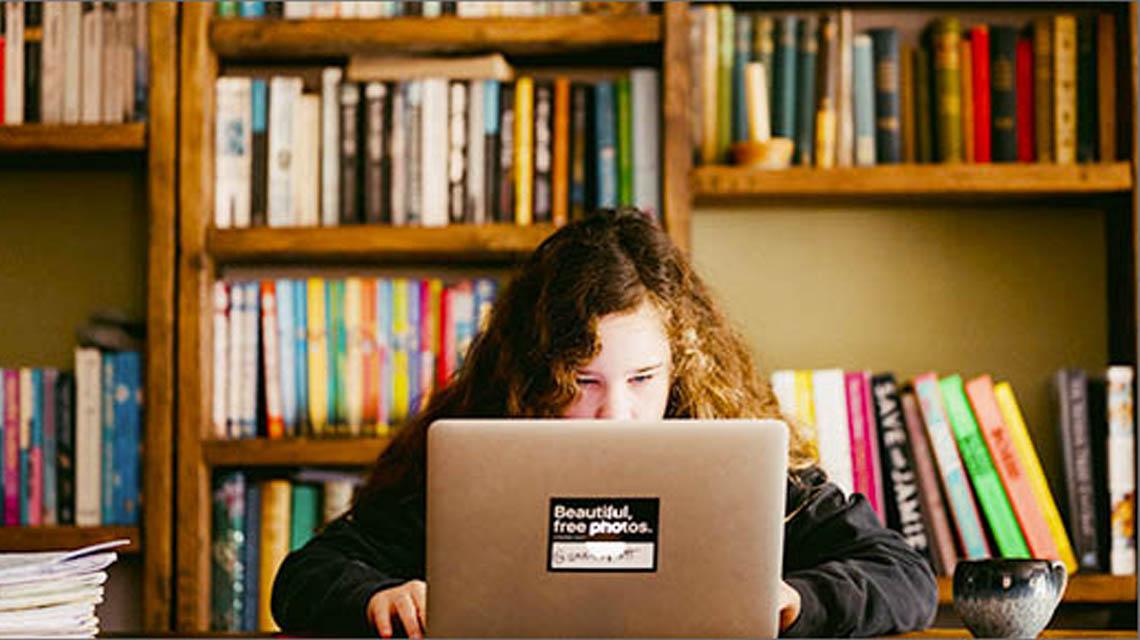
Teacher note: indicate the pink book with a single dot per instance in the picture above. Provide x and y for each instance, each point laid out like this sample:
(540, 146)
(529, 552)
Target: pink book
(871, 444)
(856, 418)
(11, 447)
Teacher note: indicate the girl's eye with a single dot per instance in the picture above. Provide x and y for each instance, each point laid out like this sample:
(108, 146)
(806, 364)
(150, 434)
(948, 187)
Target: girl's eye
(638, 379)
(583, 382)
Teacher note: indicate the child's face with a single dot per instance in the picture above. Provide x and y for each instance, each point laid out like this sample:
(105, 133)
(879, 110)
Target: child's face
(629, 378)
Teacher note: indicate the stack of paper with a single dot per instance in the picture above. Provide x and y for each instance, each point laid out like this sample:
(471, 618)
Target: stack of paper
(53, 594)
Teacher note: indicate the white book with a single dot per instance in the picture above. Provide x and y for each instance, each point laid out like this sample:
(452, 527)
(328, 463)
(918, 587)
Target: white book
(784, 386)
(270, 357)
(91, 105)
(125, 17)
(221, 359)
(398, 154)
(433, 154)
(646, 111)
(756, 97)
(829, 397)
(354, 355)
(287, 347)
(109, 110)
(250, 351)
(457, 126)
(307, 162)
(370, 9)
(88, 437)
(14, 63)
(72, 48)
(233, 152)
(284, 94)
(325, 9)
(349, 9)
(432, 8)
(471, 9)
(330, 145)
(51, 69)
(298, 9)
(234, 362)
(845, 134)
(1121, 470)
(476, 143)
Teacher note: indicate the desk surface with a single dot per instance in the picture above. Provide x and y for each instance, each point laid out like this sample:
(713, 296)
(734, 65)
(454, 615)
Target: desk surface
(1048, 633)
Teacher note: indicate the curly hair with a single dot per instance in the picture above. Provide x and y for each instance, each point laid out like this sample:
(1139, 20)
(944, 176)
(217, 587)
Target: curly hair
(543, 328)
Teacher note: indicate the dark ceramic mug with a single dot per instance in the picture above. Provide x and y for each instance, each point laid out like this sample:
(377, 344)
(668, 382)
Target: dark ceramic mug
(1007, 598)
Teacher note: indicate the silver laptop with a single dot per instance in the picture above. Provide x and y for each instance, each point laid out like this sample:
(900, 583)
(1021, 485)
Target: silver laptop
(600, 528)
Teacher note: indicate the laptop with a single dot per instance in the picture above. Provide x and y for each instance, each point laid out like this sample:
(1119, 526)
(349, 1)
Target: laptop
(582, 528)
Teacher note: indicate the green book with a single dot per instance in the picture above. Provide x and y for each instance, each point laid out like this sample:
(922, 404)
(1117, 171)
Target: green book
(924, 135)
(306, 514)
(976, 457)
(227, 9)
(725, 44)
(625, 142)
(946, 36)
(227, 552)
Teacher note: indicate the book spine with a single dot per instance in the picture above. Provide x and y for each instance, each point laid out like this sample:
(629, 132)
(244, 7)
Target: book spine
(71, 50)
(413, 153)
(941, 542)
(1064, 89)
(724, 44)
(14, 68)
(35, 484)
(349, 154)
(65, 456)
(385, 347)
(354, 356)
(457, 143)
(871, 441)
(947, 90)
(475, 207)
(543, 136)
(253, 383)
(741, 56)
(374, 187)
(133, 454)
(860, 471)
(708, 74)
(92, 64)
(1043, 97)
(966, 65)
(830, 403)
(888, 139)
(304, 514)
(492, 155)
(1009, 468)
(581, 156)
(338, 356)
(560, 162)
(233, 153)
(988, 486)
(12, 478)
(433, 157)
(806, 49)
(923, 109)
(259, 161)
(287, 355)
(400, 341)
(1121, 448)
(109, 76)
(1087, 133)
(624, 146)
(1025, 123)
(49, 498)
(784, 81)
(231, 384)
(1072, 390)
(227, 577)
(88, 439)
(827, 61)
(954, 482)
(252, 557)
(647, 134)
(307, 169)
(330, 150)
(142, 64)
(764, 46)
(505, 208)
(606, 141)
(1003, 91)
(52, 78)
(524, 150)
(370, 356)
(398, 153)
(301, 351)
(221, 381)
(902, 505)
(109, 477)
(275, 532)
(318, 357)
(845, 143)
(414, 339)
(864, 83)
(980, 50)
(1106, 87)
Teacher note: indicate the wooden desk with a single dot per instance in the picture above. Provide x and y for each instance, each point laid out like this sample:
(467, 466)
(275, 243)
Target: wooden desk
(1048, 633)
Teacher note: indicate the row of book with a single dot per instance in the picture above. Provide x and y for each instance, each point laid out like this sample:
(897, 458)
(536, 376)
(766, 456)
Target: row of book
(326, 357)
(299, 9)
(73, 62)
(70, 442)
(256, 523)
(433, 151)
(1045, 92)
(951, 466)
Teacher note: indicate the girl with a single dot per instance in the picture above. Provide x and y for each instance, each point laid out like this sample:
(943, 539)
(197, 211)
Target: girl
(606, 320)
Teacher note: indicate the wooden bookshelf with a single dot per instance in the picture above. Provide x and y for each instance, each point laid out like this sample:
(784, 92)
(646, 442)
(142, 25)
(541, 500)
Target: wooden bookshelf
(240, 38)
(79, 138)
(291, 452)
(65, 538)
(491, 243)
(1001, 180)
(1091, 588)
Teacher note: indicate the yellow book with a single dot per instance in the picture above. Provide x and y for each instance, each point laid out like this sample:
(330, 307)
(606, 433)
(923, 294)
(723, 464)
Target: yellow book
(276, 504)
(524, 149)
(400, 382)
(1011, 413)
(805, 408)
(318, 358)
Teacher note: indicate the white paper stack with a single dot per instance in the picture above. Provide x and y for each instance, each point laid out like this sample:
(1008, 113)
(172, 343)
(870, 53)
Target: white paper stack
(53, 594)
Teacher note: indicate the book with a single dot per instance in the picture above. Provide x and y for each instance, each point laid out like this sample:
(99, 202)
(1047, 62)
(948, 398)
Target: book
(888, 141)
(275, 537)
(902, 505)
(233, 152)
(966, 58)
(543, 151)
(376, 172)
(457, 155)
(646, 139)
(826, 91)
(1087, 129)
(349, 160)
(1064, 89)
(923, 107)
(523, 151)
(906, 103)
(433, 157)
(1121, 450)
(1003, 94)
(1071, 397)
(227, 552)
(330, 152)
(560, 149)
(784, 80)
(741, 55)
(1043, 95)
(259, 152)
(1025, 99)
(1106, 86)
(805, 96)
(941, 541)
(475, 206)
(980, 50)
(947, 93)
(830, 403)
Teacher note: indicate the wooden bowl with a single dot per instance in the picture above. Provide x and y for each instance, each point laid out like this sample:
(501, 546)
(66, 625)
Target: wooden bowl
(774, 153)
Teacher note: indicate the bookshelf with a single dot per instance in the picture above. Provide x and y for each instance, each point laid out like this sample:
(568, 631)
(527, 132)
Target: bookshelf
(32, 146)
(1083, 589)
(210, 44)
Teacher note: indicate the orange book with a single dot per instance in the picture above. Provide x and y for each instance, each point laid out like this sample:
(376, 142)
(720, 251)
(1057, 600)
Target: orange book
(966, 56)
(270, 350)
(370, 354)
(560, 170)
(1013, 475)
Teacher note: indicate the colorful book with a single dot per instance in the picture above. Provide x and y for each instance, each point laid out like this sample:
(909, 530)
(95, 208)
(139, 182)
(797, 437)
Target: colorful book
(1121, 470)
(227, 546)
(12, 429)
(902, 504)
(271, 358)
(941, 542)
(606, 144)
(400, 341)
(524, 150)
(305, 514)
(318, 357)
(48, 506)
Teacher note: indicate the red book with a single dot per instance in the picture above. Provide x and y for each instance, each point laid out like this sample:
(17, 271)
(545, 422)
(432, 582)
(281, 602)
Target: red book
(980, 42)
(274, 421)
(446, 358)
(1026, 125)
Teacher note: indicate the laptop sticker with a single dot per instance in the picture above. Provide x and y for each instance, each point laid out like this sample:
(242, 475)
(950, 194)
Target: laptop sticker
(603, 534)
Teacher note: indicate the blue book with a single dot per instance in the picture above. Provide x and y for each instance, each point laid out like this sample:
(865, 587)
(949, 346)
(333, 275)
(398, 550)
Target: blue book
(49, 421)
(122, 437)
(741, 55)
(415, 390)
(864, 100)
(287, 347)
(251, 8)
(252, 552)
(107, 446)
(384, 340)
(783, 98)
(807, 39)
(606, 136)
(132, 450)
(485, 291)
(35, 449)
(301, 349)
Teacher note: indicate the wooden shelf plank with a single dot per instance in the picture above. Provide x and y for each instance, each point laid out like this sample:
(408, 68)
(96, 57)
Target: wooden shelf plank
(1086, 588)
(62, 538)
(288, 452)
(267, 38)
(495, 243)
(1006, 180)
(75, 138)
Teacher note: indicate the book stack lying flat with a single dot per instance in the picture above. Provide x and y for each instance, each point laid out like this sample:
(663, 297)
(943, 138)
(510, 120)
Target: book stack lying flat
(53, 594)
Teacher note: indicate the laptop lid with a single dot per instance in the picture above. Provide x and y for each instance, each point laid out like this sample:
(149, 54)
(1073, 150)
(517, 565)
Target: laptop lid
(600, 528)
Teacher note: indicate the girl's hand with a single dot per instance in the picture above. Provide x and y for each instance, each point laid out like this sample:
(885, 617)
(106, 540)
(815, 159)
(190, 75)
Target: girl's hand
(408, 601)
(789, 605)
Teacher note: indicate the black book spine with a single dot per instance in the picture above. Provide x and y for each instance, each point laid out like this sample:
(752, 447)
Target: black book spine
(1003, 94)
(65, 447)
(274, 9)
(543, 150)
(579, 109)
(349, 153)
(1098, 441)
(374, 191)
(901, 491)
(1087, 130)
(410, 8)
(259, 178)
(1072, 401)
(457, 151)
(492, 162)
(33, 59)
(505, 211)
(888, 109)
(449, 7)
